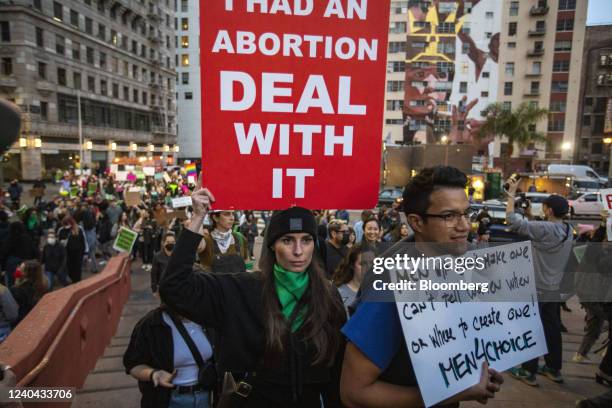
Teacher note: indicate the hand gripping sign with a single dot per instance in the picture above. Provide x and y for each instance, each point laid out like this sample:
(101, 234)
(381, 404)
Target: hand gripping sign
(292, 101)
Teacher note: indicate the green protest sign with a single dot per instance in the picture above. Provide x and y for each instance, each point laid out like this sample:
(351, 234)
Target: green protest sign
(125, 240)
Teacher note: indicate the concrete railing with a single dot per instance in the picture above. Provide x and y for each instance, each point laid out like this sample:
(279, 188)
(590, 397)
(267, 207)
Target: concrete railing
(60, 340)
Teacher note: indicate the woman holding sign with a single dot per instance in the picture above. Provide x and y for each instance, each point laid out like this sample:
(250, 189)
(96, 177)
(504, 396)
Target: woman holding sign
(280, 327)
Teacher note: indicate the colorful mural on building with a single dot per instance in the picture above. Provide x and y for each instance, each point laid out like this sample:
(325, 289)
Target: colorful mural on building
(451, 68)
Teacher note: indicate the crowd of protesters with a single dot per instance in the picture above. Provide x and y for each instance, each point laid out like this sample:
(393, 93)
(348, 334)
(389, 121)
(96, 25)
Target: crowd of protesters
(291, 331)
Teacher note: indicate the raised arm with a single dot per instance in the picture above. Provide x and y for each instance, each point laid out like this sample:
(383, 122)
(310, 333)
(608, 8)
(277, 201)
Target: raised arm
(193, 294)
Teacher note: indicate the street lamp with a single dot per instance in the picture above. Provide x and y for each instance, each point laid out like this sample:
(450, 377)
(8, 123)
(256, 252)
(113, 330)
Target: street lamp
(112, 146)
(608, 142)
(133, 147)
(89, 145)
(445, 142)
(567, 147)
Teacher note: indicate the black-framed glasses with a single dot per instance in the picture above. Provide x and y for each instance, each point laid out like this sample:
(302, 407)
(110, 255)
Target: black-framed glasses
(452, 219)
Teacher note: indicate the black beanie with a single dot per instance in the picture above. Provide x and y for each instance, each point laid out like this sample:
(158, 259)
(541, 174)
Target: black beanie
(292, 220)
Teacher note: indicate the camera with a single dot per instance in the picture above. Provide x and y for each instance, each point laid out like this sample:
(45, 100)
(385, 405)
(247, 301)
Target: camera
(514, 177)
(522, 202)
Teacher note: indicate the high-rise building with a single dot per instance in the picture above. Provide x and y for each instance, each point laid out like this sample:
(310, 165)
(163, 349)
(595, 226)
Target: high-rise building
(460, 56)
(111, 61)
(188, 86)
(595, 107)
(541, 63)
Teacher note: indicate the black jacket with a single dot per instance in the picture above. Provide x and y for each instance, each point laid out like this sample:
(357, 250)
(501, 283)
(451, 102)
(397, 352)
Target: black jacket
(160, 262)
(53, 257)
(151, 344)
(231, 304)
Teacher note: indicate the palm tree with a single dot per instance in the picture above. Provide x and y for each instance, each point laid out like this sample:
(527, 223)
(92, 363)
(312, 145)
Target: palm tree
(517, 125)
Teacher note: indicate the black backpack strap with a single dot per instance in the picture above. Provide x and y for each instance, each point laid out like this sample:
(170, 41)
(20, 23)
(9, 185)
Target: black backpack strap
(188, 340)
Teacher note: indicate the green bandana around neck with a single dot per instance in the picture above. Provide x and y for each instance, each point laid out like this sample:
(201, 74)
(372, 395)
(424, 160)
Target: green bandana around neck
(290, 286)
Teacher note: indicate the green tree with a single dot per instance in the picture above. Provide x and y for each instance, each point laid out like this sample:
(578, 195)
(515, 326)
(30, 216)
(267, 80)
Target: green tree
(517, 125)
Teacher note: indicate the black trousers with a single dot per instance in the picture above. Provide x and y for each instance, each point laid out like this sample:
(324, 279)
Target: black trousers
(74, 265)
(550, 313)
(606, 363)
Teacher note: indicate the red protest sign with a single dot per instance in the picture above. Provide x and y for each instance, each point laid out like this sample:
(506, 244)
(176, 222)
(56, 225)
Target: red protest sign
(292, 101)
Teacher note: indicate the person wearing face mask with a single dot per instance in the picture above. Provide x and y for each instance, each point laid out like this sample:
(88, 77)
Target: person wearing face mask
(335, 246)
(53, 260)
(160, 260)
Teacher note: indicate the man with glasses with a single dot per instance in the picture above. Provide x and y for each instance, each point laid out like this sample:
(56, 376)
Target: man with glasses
(335, 246)
(377, 369)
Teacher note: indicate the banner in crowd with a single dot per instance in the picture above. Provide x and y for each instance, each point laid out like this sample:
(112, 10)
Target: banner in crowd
(125, 240)
(293, 95)
(449, 341)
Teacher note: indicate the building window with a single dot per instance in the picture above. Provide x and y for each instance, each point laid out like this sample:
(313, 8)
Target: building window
(135, 96)
(397, 27)
(535, 88)
(558, 106)
(485, 74)
(103, 87)
(558, 86)
(90, 55)
(396, 66)
(586, 120)
(74, 18)
(135, 71)
(184, 6)
(44, 110)
(37, 4)
(510, 68)
(88, 25)
(76, 79)
(395, 105)
(184, 24)
(561, 66)
(446, 47)
(185, 60)
(489, 14)
(102, 32)
(7, 66)
(462, 87)
(588, 101)
(42, 70)
(40, 37)
(60, 44)
(556, 125)
(567, 4)
(61, 76)
(76, 50)
(91, 84)
(185, 78)
(115, 90)
(144, 98)
(565, 24)
(397, 46)
(5, 31)
(507, 105)
(185, 41)
(512, 44)
(508, 88)
(562, 46)
(512, 28)
(484, 94)
(58, 12)
(514, 8)
(188, 95)
(102, 60)
(113, 38)
(444, 28)
(536, 68)
(126, 93)
(395, 86)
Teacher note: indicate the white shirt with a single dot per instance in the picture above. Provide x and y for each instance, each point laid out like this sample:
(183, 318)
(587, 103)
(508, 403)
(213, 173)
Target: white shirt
(184, 363)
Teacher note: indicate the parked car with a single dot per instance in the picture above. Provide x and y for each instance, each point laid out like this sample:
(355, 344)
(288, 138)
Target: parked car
(586, 204)
(389, 195)
(582, 185)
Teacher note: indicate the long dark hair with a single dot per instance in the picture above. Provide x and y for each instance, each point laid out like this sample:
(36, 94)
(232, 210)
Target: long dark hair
(32, 271)
(345, 271)
(325, 313)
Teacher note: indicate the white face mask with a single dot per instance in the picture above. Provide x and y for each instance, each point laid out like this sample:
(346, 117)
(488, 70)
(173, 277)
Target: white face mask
(51, 241)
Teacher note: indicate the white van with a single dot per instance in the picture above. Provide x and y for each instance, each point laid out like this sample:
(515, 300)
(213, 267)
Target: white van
(576, 170)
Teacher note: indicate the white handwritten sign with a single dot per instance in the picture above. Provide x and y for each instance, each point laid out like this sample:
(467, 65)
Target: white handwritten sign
(449, 340)
(180, 202)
